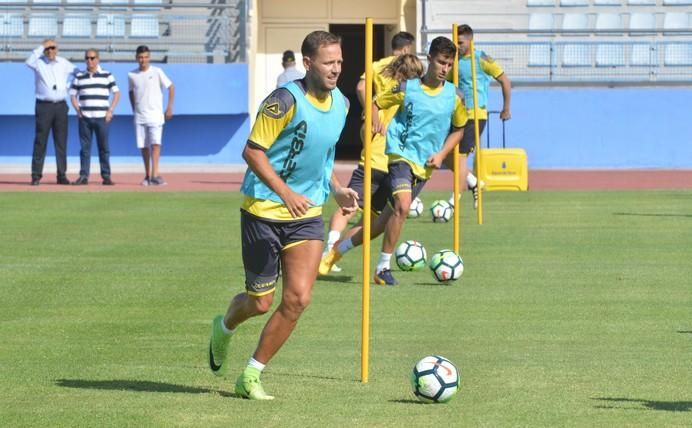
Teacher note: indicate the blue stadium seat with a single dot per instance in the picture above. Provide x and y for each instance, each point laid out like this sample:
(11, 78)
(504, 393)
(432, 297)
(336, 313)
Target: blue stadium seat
(540, 55)
(610, 55)
(607, 2)
(541, 22)
(76, 26)
(540, 3)
(641, 2)
(642, 55)
(575, 21)
(42, 25)
(576, 56)
(144, 26)
(11, 25)
(109, 25)
(676, 21)
(677, 2)
(608, 21)
(642, 21)
(570, 3)
(678, 54)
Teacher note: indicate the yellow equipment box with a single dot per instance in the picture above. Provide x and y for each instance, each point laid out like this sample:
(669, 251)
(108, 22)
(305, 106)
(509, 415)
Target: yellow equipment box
(504, 169)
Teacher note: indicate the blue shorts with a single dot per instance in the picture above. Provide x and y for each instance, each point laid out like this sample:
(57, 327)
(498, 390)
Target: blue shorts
(378, 188)
(401, 179)
(262, 242)
(468, 141)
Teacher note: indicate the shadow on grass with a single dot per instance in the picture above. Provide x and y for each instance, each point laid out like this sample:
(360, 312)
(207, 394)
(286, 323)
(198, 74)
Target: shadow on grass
(335, 278)
(685, 331)
(274, 372)
(406, 401)
(653, 215)
(137, 386)
(669, 406)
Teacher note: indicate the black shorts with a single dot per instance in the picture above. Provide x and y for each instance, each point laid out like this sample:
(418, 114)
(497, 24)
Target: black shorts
(402, 179)
(262, 242)
(378, 188)
(468, 141)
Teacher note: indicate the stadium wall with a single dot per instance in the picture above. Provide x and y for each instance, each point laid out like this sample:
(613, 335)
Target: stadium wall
(210, 122)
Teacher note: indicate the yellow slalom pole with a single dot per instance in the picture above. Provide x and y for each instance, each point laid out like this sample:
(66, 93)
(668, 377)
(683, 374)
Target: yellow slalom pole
(476, 134)
(457, 204)
(367, 140)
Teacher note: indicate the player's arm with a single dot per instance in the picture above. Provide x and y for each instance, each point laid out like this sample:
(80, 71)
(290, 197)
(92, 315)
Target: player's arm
(385, 100)
(345, 197)
(492, 68)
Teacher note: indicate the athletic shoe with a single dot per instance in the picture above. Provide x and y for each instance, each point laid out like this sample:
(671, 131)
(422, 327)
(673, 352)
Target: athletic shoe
(335, 268)
(249, 386)
(107, 181)
(157, 181)
(146, 182)
(474, 189)
(218, 347)
(385, 277)
(81, 181)
(330, 259)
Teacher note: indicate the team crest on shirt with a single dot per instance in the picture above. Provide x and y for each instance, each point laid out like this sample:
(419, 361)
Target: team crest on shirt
(272, 108)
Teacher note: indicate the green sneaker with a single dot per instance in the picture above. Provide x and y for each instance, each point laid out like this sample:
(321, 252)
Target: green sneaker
(218, 347)
(249, 386)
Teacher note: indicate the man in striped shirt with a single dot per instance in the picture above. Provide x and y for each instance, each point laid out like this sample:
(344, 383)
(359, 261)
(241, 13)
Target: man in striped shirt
(90, 94)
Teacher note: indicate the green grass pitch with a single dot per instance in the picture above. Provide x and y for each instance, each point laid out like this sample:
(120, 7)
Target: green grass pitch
(573, 310)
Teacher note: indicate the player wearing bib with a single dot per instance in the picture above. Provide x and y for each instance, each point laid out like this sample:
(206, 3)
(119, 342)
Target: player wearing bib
(402, 43)
(418, 140)
(290, 157)
(486, 69)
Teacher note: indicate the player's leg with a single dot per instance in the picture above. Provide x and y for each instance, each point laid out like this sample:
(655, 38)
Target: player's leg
(141, 138)
(299, 260)
(155, 134)
(260, 249)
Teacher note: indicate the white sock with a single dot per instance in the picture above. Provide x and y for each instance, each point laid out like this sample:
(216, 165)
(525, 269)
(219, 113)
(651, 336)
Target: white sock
(344, 246)
(383, 264)
(256, 364)
(471, 180)
(333, 236)
(227, 331)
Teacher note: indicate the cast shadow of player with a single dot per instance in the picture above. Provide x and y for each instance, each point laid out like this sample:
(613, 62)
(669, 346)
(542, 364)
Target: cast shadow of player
(652, 215)
(137, 386)
(625, 404)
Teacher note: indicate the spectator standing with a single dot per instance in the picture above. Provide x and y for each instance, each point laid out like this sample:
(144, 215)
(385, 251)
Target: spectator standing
(90, 93)
(290, 73)
(52, 75)
(146, 85)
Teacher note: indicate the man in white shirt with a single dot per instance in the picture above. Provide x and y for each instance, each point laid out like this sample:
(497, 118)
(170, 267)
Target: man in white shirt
(52, 75)
(89, 94)
(290, 73)
(146, 97)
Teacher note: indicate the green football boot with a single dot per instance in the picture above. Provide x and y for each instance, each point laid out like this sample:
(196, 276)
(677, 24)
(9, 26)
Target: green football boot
(218, 347)
(249, 386)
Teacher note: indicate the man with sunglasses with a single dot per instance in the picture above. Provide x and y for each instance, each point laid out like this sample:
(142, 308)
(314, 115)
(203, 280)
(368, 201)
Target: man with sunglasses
(52, 75)
(90, 94)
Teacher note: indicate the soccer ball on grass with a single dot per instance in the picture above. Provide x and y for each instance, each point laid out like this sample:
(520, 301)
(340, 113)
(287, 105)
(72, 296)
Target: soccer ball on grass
(441, 211)
(416, 208)
(446, 266)
(410, 255)
(435, 379)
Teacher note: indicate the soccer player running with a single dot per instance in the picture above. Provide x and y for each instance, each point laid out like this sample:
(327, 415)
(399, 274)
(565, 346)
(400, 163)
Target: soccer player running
(426, 128)
(486, 68)
(290, 157)
(402, 44)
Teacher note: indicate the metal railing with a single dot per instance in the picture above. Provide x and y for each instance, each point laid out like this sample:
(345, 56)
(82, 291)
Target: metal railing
(213, 32)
